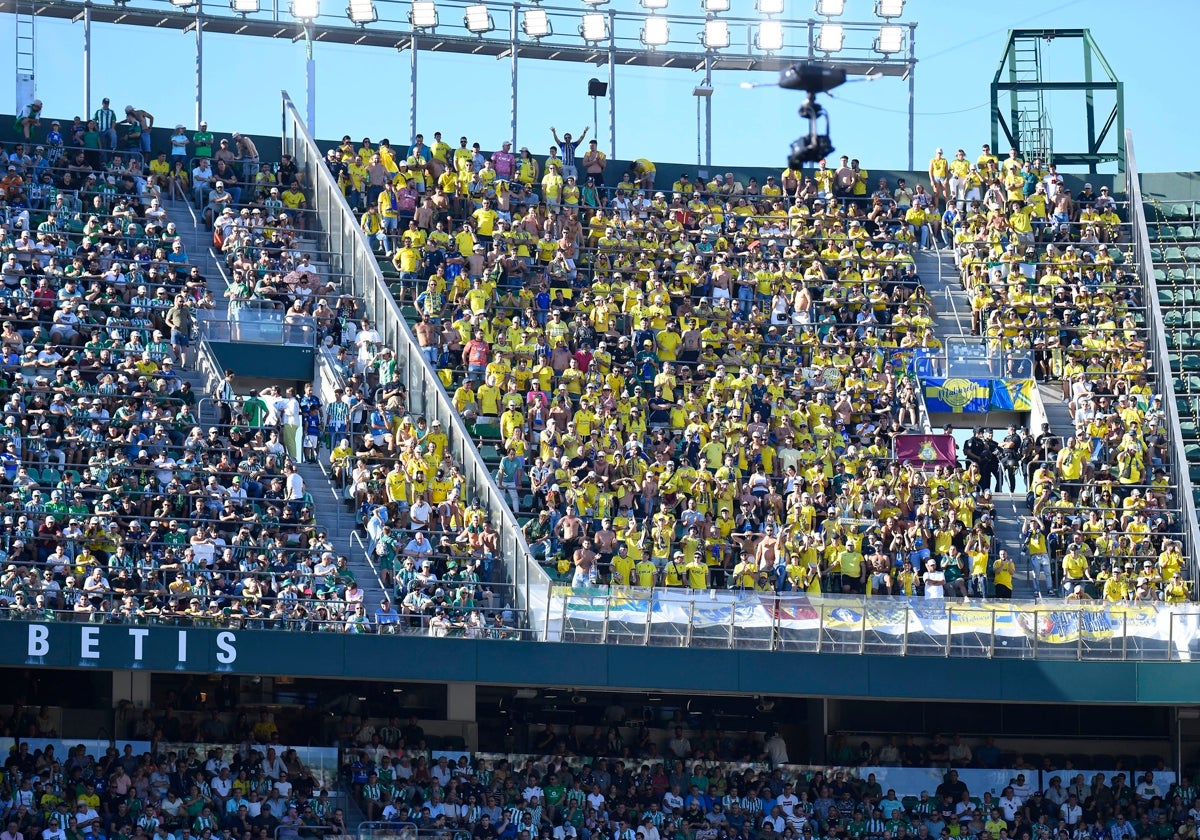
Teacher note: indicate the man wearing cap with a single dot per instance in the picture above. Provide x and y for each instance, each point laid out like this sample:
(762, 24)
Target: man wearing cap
(106, 124)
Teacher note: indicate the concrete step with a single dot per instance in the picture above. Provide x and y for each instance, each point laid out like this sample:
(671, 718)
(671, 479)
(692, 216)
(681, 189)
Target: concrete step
(340, 522)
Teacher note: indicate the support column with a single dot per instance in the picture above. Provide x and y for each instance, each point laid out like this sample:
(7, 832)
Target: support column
(512, 45)
(310, 68)
(412, 84)
(612, 86)
(131, 687)
(87, 60)
(199, 63)
(460, 701)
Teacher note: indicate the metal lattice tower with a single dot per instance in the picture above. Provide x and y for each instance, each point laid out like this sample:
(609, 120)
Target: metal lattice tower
(1025, 123)
(23, 50)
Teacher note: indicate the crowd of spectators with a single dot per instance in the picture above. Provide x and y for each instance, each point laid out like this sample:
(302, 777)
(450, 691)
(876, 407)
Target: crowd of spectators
(686, 793)
(1046, 277)
(118, 505)
(698, 386)
(258, 792)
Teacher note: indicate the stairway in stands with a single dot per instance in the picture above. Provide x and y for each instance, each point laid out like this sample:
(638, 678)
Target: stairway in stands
(953, 318)
(332, 513)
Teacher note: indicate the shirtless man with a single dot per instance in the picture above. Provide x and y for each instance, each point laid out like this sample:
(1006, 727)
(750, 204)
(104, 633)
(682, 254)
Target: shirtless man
(429, 337)
(722, 281)
(767, 552)
(585, 564)
(606, 546)
(570, 533)
(878, 572)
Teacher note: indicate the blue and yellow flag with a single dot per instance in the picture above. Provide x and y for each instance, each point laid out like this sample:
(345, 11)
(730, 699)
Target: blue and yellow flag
(956, 395)
(1012, 394)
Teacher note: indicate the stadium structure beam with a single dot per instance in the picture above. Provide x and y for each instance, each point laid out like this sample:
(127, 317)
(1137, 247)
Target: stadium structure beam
(395, 34)
(1021, 78)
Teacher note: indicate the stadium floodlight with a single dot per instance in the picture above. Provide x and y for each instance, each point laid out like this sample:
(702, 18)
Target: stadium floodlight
(423, 14)
(770, 36)
(831, 37)
(536, 23)
(715, 6)
(769, 7)
(593, 28)
(656, 31)
(890, 40)
(183, 4)
(654, 5)
(478, 19)
(244, 7)
(595, 2)
(830, 8)
(715, 35)
(306, 10)
(889, 9)
(362, 12)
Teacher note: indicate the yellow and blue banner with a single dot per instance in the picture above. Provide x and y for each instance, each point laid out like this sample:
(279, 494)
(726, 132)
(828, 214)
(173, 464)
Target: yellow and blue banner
(957, 395)
(1012, 394)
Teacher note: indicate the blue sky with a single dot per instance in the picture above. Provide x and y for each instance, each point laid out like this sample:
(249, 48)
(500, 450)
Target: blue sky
(958, 47)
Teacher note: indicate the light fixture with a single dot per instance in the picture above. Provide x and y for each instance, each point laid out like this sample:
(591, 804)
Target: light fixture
(244, 7)
(769, 7)
(890, 40)
(770, 36)
(830, 37)
(306, 10)
(655, 31)
(716, 35)
(423, 14)
(478, 19)
(362, 12)
(889, 9)
(830, 8)
(654, 5)
(593, 27)
(536, 23)
(183, 4)
(594, 2)
(714, 6)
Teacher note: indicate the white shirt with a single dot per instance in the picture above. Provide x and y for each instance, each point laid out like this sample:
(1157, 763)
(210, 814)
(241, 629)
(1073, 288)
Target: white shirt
(295, 487)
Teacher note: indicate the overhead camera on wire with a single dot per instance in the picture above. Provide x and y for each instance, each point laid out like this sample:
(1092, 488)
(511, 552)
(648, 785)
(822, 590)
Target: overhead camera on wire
(815, 78)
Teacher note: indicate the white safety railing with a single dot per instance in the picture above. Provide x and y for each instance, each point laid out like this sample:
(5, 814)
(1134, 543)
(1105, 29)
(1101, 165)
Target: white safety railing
(351, 257)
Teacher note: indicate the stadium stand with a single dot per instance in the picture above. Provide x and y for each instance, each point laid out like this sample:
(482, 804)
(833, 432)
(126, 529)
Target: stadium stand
(1047, 273)
(120, 506)
(670, 780)
(672, 379)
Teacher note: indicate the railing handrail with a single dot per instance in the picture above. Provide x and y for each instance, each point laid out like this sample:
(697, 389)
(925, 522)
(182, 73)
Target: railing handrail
(520, 565)
(1179, 460)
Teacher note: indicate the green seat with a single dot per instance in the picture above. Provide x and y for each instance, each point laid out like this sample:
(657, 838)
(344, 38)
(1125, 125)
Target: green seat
(1185, 233)
(1160, 277)
(1173, 318)
(51, 477)
(1165, 296)
(1173, 253)
(1177, 211)
(489, 453)
(1156, 254)
(410, 313)
(1188, 428)
(1192, 253)
(1162, 233)
(487, 431)
(1175, 276)
(1191, 361)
